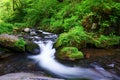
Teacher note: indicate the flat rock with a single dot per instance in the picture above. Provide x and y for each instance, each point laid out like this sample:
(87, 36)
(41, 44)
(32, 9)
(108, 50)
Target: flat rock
(25, 76)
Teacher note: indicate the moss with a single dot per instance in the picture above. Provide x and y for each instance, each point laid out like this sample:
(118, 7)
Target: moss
(6, 27)
(20, 44)
(79, 38)
(106, 41)
(32, 48)
(12, 42)
(75, 37)
(69, 53)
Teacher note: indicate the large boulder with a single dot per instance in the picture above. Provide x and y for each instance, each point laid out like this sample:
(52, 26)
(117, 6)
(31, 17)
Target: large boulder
(12, 42)
(69, 53)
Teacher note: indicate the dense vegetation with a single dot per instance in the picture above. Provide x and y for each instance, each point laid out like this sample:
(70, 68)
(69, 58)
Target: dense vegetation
(80, 23)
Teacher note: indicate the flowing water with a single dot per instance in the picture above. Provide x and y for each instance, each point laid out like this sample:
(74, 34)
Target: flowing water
(46, 60)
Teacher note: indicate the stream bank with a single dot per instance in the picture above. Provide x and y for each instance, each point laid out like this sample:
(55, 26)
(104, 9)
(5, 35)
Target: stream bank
(14, 63)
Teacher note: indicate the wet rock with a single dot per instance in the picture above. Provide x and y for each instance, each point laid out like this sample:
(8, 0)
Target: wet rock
(4, 55)
(17, 63)
(118, 68)
(32, 33)
(94, 53)
(39, 32)
(25, 76)
(27, 30)
(32, 48)
(69, 53)
(109, 59)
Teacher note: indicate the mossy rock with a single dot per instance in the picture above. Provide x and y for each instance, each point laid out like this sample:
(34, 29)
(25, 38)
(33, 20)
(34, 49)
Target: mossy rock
(12, 42)
(20, 44)
(32, 48)
(76, 37)
(69, 53)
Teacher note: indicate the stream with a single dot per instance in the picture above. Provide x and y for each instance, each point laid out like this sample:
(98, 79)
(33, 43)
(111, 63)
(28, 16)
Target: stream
(46, 60)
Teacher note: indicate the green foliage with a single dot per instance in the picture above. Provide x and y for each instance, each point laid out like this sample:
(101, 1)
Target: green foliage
(79, 38)
(70, 53)
(60, 17)
(78, 22)
(20, 25)
(9, 28)
(10, 18)
(39, 9)
(5, 27)
(12, 11)
(105, 14)
(107, 41)
(66, 18)
(5, 10)
(73, 13)
(75, 37)
(20, 44)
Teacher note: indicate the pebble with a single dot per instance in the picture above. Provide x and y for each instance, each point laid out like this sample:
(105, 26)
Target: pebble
(27, 30)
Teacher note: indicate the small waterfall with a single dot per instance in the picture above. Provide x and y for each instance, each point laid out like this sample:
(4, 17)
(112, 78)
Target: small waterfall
(46, 60)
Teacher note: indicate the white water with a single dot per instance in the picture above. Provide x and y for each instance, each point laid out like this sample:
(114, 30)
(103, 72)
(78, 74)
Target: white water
(46, 60)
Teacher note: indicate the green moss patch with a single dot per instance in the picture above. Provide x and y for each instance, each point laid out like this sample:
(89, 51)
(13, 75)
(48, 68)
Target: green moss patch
(69, 53)
(20, 44)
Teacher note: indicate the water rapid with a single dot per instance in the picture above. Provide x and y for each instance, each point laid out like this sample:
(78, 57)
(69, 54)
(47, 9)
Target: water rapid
(46, 60)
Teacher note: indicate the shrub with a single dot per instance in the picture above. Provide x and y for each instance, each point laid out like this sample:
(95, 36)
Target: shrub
(76, 37)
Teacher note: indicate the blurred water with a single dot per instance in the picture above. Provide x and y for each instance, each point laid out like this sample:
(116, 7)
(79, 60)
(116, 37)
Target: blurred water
(46, 60)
